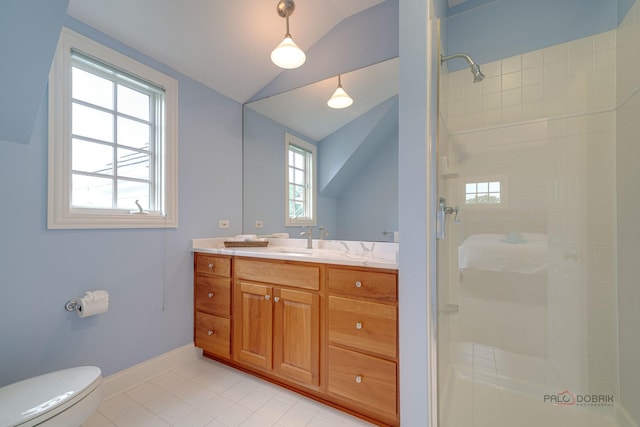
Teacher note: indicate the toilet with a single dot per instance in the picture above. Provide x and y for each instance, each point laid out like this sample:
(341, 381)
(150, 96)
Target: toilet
(65, 398)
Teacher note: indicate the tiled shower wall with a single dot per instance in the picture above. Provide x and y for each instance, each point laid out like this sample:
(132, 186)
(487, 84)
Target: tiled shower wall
(544, 122)
(628, 204)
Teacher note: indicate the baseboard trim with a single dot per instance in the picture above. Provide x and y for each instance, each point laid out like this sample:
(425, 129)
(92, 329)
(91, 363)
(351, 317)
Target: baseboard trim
(128, 378)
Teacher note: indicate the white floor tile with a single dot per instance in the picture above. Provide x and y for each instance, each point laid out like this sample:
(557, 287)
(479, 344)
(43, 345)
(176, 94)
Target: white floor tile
(205, 393)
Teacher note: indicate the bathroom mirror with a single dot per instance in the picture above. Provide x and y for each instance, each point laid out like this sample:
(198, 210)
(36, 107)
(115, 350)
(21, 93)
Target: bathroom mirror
(357, 155)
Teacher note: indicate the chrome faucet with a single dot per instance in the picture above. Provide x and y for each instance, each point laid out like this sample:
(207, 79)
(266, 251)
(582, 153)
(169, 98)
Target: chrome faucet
(309, 235)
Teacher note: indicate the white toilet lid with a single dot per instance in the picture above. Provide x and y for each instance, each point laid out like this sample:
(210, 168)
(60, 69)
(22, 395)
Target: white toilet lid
(33, 397)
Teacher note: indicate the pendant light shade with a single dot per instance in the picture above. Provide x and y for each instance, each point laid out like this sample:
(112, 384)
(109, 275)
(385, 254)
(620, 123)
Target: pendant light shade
(340, 98)
(287, 54)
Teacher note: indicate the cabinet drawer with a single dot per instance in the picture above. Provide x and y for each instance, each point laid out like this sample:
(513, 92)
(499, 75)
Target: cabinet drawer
(370, 285)
(209, 265)
(370, 381)
(213, 294)
(213, 334)
(278, 273)
(363, 325)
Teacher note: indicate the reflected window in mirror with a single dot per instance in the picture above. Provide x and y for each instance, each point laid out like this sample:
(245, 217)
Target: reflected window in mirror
(300, 182)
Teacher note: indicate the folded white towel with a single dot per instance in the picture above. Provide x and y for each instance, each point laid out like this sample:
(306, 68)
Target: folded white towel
(245, 238)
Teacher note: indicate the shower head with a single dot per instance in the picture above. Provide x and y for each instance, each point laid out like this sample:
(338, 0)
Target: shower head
(475, 68)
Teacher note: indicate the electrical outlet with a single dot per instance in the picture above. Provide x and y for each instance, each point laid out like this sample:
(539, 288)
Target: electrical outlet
(258, 224)
(223, 223)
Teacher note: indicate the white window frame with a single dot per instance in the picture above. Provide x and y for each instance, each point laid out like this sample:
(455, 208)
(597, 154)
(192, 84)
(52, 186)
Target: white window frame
(502, 179)
(311, 170)
(60, 214)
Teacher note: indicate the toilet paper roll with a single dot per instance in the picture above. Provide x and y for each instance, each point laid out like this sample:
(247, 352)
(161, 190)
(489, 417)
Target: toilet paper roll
(94, 302)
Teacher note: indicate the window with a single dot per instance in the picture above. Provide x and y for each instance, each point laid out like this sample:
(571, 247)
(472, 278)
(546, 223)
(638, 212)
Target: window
(485, 191)
(112, 140)
(300, 182)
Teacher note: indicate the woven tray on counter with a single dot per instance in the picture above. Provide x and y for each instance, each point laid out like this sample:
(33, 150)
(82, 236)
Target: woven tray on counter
(258, 244)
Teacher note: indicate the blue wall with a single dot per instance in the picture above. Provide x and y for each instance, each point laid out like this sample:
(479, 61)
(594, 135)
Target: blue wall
(25, 65)
(41, 269)
(489, 31)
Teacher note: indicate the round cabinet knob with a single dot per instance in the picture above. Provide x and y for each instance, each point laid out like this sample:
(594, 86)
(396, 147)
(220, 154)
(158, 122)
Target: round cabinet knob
(210, 333)
(358, 284)
(267, 297)
(210, 266)
(358, 325)
(359, 379)
(210, 294)
(276, 299)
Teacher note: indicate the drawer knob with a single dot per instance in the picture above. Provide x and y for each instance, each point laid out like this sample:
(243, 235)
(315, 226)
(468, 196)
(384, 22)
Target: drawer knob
(359, 379)
(358, 284)
(210, 266)
(210, 294)
(210, 332)
(267, 297)
(358, 325)
(276, 299)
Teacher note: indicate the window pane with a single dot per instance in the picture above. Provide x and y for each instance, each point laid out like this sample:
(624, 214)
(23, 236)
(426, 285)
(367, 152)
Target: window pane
(130, 191)
(494, 187)
(132, 133)
(91, 123)
(132, 164)
(298, 192)
(91, 88)
(91, 192)
(483, 187)
(494, 197)
(471, 187)
(298, 209)
(299, 161)
(91, 157)
(298, 177)
(133, 103)
(471, 198)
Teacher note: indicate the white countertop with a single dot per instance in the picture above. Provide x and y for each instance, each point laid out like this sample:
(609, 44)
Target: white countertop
(355, 253)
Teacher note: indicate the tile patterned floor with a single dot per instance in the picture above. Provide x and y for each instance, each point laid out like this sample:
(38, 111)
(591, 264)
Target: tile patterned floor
(206, 393)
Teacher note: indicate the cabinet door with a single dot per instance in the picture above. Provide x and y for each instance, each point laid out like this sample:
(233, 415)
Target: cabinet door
(296, 335)
(253, 324)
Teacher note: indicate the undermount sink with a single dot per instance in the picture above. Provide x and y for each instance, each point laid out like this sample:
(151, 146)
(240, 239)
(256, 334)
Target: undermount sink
(299, 251)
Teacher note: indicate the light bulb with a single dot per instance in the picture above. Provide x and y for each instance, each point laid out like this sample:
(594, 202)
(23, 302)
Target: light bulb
(339, 99)
(288, 55)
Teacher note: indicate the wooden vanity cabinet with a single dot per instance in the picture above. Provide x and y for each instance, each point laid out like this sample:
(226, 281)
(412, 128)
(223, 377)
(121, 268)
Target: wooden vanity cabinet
(362, 358)
(212, 304)
(327, 331)
(276, 318)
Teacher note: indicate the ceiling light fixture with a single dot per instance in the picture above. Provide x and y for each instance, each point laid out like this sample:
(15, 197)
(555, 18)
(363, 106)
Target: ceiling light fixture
(287, 55)
(339, 99)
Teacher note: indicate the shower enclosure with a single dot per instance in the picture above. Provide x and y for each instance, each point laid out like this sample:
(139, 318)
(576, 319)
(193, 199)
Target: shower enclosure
(538, 178)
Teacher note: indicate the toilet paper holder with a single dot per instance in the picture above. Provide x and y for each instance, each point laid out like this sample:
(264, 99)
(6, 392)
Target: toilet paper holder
(71, 305)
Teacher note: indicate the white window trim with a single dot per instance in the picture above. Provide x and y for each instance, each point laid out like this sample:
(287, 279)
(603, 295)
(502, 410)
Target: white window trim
(504, 185)
(60, 214)
(300, 222)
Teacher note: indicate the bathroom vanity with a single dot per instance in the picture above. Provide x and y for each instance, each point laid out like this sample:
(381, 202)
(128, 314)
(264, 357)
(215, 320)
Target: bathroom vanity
(321, 322)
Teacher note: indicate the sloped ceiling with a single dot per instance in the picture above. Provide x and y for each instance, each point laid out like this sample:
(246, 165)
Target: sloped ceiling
(225, 45)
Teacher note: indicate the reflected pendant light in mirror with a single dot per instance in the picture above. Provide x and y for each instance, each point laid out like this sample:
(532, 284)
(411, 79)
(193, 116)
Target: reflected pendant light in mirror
(287, 54)
(340, 98)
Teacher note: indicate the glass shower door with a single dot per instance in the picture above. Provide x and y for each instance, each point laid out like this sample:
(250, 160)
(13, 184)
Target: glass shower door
(527, 287)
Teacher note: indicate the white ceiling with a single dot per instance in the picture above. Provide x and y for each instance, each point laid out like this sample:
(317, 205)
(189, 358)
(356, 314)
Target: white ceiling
(223, 44)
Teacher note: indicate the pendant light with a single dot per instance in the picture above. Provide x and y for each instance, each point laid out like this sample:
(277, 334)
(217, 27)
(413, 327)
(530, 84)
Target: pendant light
(287, 55)
(339, 99)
